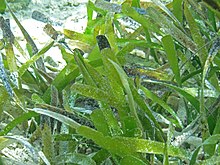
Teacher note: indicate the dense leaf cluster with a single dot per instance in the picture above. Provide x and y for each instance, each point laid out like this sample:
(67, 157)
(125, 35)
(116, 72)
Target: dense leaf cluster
(140, 87)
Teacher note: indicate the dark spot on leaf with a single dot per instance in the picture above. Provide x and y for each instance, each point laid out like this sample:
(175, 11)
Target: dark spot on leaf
(79, 51)
(102, 42)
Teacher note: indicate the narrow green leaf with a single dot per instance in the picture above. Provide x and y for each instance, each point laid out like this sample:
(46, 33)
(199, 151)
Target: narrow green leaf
(85, 72)
(136, 3)
(2, 6)
(95, 79)
(144, 21)
(191, 75)
(136, 43)
(131, 103)
(131, 160)
(140, 102)
(11, 60)
(54, 96)
(95, 93)
(57, 116)
(177, 9)
(158, 74)
(214, 6)
(196, 35)
(107, 142)
(86, 38)
(9, 37)
(47, 142)
(37, 99)
(108, 53)
(33, 59)
(165, 155)
(123, 81)
(172, 56)
(89, 11)
(132, 129)
(110, 31)
(181, 91)
(194, 156)
(68, 57)
(205, 129)
(130, 146)
(4, 142)
(212, 140)
(100, 81)
(4, 78)
(217, 127)
(170, 28)
(25, 33)
(9, 40)
(167, 11)
(100, 122)
(101, 156)
(111, 120)
(93, 26)
(4, 97)
(68, 74)
(156, 99)
(114, 79)
(16, 121)
(20, 49)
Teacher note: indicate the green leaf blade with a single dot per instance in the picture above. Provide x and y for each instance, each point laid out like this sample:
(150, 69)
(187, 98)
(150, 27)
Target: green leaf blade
(196, 35)
(156, 99)
(33, 59)
(2, 6)
(172, 57)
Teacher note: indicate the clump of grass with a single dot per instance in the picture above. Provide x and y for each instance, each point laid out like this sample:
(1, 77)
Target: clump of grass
(115, 106)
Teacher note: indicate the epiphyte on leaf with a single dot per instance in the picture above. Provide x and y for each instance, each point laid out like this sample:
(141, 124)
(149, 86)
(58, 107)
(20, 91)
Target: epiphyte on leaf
(51, 31)
(102, 42)
(7, 33)
(40, 17)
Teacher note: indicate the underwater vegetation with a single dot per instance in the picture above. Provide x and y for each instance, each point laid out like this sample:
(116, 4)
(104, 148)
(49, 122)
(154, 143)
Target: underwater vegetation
(140, 86)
